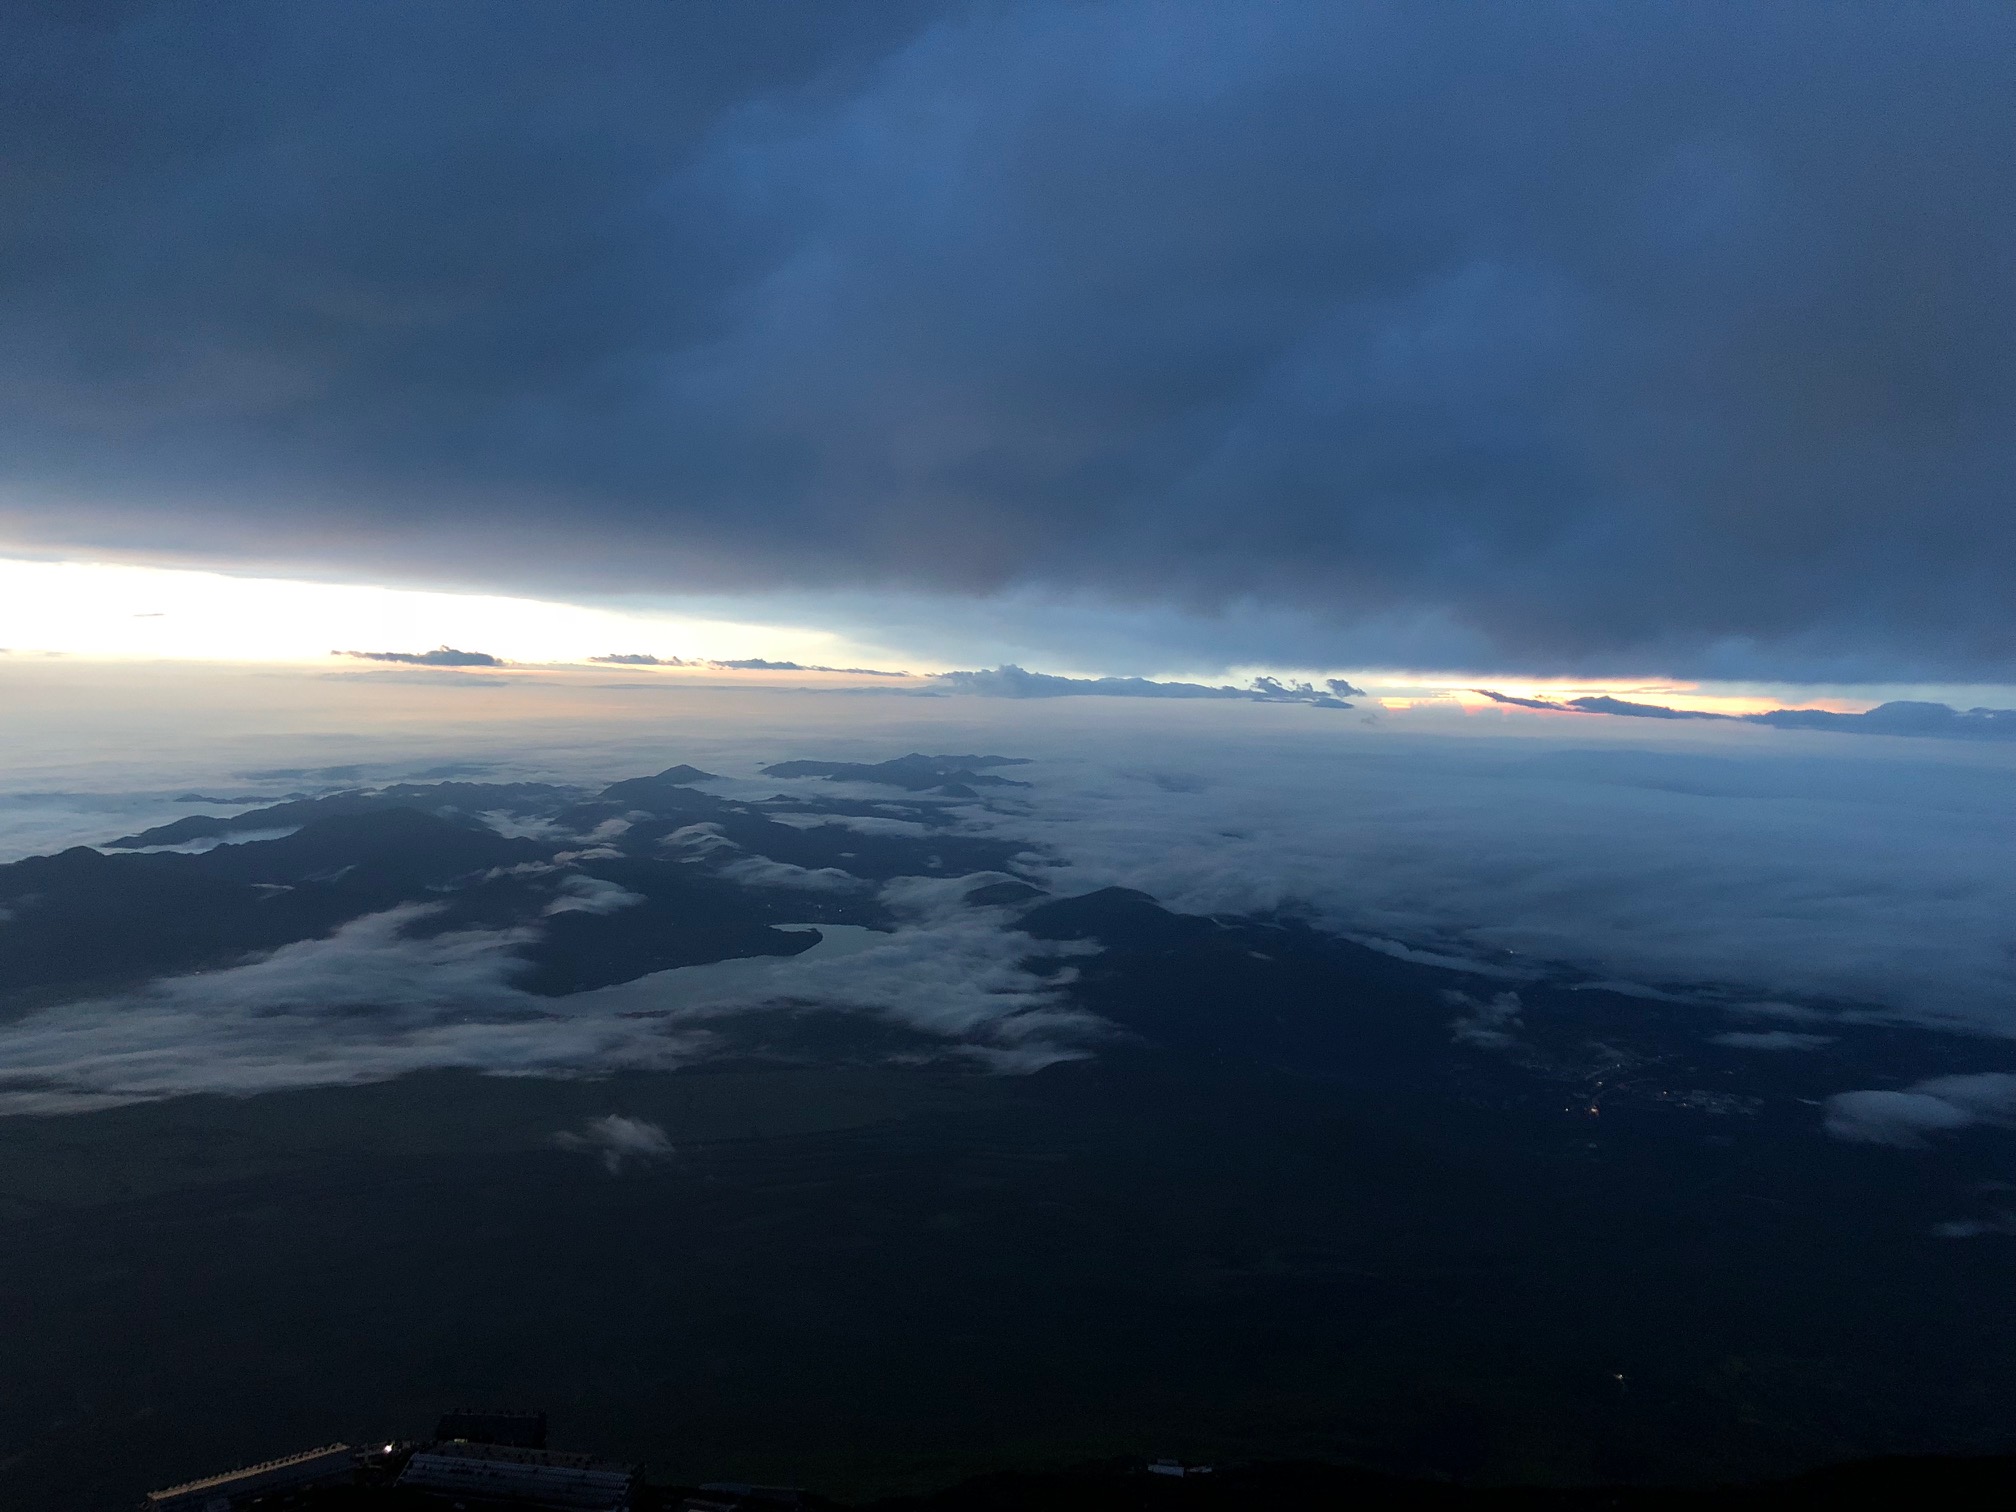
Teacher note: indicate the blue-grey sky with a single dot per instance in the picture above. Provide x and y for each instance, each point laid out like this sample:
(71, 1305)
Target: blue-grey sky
(1647, 339)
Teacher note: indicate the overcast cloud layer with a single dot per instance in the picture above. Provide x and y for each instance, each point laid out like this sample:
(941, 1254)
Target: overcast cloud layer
(1549, 335)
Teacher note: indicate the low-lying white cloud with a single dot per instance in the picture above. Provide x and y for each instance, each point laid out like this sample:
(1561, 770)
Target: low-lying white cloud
(761, 871)
(616, 1139)
(698, 841)
(947, 970)
(593, 895)
(1748, 863)
(860, 824)
(1937, 1106)
(374, 1000)
(1491, 1025)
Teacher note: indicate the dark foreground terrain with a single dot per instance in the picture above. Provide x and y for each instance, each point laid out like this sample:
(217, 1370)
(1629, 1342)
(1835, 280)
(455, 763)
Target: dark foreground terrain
(1957, 1483)
(875, 1280)
(1293, 1487)
(1301, 1201)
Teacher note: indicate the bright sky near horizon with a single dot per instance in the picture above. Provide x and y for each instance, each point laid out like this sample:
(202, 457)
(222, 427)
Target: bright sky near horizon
(122, 611)
(132, 612)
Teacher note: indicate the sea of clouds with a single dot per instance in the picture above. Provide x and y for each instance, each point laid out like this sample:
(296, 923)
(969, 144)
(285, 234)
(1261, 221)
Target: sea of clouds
(1857, 875)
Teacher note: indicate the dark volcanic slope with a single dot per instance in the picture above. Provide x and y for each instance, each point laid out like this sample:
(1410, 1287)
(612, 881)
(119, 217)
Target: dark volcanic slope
(81, 918)
(445, 799)
(86, 921)
(1128, 1486)
(870, 1279)
(1306, 1200)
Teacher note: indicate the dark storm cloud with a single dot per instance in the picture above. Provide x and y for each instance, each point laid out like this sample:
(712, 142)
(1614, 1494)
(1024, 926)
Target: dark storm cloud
(1647, 336)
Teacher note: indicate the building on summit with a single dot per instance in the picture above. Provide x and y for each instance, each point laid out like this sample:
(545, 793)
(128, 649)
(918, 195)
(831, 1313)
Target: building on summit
(528, 1477)
(517, 1430)
(237, 1488)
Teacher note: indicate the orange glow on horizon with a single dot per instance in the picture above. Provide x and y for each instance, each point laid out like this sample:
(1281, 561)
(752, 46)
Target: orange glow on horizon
(1671, 696)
